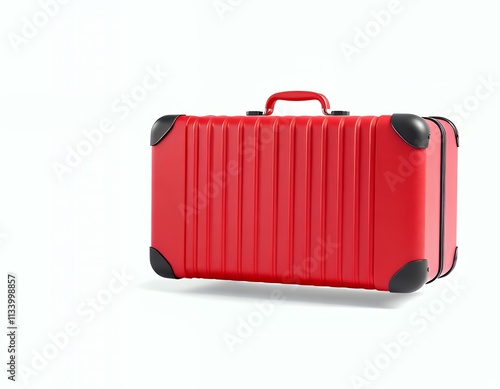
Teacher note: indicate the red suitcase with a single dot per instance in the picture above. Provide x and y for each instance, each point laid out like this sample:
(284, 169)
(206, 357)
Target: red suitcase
(332, 200)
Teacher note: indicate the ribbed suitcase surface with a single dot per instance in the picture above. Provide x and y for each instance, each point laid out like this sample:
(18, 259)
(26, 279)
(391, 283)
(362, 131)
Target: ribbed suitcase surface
(310, 200)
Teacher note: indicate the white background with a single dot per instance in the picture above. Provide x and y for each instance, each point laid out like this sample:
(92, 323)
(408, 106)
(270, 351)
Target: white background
(65, 238)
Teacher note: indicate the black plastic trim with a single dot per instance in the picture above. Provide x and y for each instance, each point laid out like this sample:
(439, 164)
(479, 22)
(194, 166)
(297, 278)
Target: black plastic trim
(255, 113)
(410, 277)
(162, 127)
(160, 264)
(442, 198)
(455, 129)
(340, 113)
(412, 129)
(455, 256)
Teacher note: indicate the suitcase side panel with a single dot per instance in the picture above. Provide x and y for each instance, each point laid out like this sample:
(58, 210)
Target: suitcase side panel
(433, 201)
(450, 241)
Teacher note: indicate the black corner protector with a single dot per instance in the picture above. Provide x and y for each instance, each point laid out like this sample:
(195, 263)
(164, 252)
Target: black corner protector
(162, 127)
(453, 264)
(410, 277)
(160, 265)
(455, 129)
(412, 129)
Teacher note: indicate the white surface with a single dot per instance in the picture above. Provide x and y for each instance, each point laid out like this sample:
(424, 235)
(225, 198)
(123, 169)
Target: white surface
(65, 239)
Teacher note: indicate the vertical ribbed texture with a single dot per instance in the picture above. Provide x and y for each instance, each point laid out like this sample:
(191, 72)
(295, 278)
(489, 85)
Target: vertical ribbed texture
(355, 190)
(196, 146)
(207, 197)
(239, 209)
(291, 199)
(224, 199)
(275, 174)
(339, 187)
(322, 199)
(307, 196)
(256, 194)
(303, 202)
(371, 241)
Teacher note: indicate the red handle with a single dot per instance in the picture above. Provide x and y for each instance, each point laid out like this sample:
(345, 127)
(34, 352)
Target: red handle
(297, 96)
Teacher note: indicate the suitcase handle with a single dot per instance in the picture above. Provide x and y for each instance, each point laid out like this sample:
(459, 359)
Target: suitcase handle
(297, 96)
